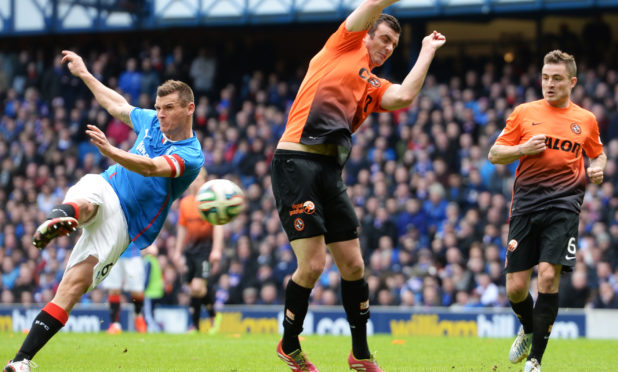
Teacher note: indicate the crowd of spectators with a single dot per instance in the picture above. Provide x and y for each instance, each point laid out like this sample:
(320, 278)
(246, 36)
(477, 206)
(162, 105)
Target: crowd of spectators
(433, 210)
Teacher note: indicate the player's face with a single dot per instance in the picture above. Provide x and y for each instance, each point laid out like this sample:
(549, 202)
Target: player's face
(381, 44)
(172, 116)
(557, 84)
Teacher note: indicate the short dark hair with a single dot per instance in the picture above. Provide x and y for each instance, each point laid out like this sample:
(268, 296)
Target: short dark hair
(557, 57)
(185, 93)
(390, 21)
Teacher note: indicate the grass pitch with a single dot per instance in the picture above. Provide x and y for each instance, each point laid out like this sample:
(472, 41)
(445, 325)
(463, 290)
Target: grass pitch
(235, 353)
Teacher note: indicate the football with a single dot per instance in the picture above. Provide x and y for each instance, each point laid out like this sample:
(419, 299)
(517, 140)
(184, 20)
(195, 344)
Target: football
(220, 201)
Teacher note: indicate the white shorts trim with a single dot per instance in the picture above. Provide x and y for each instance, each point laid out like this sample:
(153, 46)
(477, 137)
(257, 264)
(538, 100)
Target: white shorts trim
(106, 235)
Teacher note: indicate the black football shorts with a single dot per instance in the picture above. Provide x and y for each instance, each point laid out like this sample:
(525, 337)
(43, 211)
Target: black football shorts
(311, 197)
(546, 236)
(197, 260)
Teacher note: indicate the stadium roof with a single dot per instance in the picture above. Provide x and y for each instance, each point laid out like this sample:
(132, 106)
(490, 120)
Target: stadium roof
(22, 17)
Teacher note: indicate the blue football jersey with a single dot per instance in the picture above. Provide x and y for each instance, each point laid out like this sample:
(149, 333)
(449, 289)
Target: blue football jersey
(131, 251)
(146, 200)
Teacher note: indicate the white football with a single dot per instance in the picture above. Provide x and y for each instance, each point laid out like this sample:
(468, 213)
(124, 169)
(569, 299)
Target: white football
(220, 201)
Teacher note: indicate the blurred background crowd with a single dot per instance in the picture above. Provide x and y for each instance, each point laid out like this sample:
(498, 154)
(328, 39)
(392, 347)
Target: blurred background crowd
(433, 210)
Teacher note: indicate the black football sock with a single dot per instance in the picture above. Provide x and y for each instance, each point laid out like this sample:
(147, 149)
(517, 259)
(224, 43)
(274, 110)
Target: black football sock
(523, 311)
(545, 312)
(64, 210)
(209, 303)
(138, 303)
(114, 308)
(196, 309)
(355, 296)
(45, 325)
(296, 306)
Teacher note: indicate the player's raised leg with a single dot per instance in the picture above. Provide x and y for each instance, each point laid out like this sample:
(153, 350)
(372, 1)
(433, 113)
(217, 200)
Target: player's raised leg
(63, 219)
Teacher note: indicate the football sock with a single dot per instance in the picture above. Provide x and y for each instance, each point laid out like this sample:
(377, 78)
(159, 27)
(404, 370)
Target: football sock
(64, 210)
(545, 312)
(523, 311)
(209, 304)
(49, 321)
(196, 309)
(355, 296)
(296, 306)
(138, 303)
(114, 308)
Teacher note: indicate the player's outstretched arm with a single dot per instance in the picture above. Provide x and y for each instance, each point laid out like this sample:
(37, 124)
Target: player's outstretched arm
(161, 166)
(402, 95)
(112, 101)
(366, 14)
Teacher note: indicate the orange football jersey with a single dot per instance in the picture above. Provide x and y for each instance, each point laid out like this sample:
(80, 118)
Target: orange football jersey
(555, 178)
(189, 216)
(337, 94)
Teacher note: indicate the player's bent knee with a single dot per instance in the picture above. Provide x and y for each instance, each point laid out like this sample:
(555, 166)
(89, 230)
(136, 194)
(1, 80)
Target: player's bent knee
(313, 268)
(548, 284)
(353, 271)
(308, 276)
(516, 292)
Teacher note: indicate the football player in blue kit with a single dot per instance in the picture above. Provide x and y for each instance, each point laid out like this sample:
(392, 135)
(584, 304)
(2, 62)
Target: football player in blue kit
(126, 204)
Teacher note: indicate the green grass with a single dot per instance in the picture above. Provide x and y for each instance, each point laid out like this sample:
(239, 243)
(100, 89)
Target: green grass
(227, 353)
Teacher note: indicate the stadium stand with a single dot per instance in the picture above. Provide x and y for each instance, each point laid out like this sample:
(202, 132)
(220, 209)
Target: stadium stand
(433, 210)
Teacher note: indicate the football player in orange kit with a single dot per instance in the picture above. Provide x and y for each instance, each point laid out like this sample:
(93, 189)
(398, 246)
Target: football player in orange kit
(337, 94)
(548, 137)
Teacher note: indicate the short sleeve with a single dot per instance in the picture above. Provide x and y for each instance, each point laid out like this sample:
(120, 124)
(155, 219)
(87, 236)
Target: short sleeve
(141, 118)
(379, 92)
(343, 40)
(511, 134)
(185, 160)
(593, 145)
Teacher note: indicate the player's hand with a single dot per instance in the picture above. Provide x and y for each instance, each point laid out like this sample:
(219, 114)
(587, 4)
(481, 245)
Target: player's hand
(434, 40)
(98, 138)
(215, 257)
(74, 62)
(535, 145)
(595, 174)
